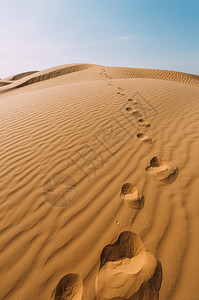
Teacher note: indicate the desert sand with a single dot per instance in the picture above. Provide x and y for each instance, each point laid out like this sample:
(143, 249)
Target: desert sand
(99, 184)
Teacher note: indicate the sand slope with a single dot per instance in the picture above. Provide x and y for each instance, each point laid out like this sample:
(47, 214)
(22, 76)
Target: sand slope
(69, 141)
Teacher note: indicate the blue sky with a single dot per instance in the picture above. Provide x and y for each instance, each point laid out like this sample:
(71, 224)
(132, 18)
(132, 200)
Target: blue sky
(39, 34)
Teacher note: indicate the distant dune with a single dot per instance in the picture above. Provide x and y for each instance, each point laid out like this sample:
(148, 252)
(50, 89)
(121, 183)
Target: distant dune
(27, 78)
(99, 184)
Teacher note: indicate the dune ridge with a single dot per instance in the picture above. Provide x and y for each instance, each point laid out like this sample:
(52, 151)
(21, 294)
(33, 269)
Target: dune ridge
(27, 78)
(20, 75)
(72, 139)
(186, 78)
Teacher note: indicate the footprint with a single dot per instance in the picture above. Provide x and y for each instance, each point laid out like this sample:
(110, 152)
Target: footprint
(166, 172)
(128, 271)
(129, 109)
(136, 113)
(131, 196)
(70, 287)
(143, 123)
(133, 111)
(133, 101)
(144, 138)
(118, 92)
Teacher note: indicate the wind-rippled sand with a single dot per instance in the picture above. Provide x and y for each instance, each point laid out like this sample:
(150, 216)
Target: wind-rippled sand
(99, 184)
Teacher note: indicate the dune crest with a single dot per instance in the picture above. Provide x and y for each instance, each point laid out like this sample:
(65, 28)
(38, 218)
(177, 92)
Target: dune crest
(27, 78)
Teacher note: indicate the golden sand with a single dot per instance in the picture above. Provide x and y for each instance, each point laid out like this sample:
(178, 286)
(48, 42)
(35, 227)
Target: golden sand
(70, 138)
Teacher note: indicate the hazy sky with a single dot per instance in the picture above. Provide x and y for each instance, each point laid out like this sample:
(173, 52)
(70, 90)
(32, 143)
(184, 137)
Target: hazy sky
(39, 34)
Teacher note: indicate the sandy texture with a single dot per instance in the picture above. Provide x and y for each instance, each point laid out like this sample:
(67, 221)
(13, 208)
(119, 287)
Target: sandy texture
(71, 137)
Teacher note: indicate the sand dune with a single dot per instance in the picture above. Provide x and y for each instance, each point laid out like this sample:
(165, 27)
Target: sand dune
(4, 82)
(27, 78)
(90, 154)
(33, 77)
(119, 72)
(20, 75)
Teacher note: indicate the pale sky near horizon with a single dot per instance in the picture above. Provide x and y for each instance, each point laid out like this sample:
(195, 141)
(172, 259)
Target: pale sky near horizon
(40, 34)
